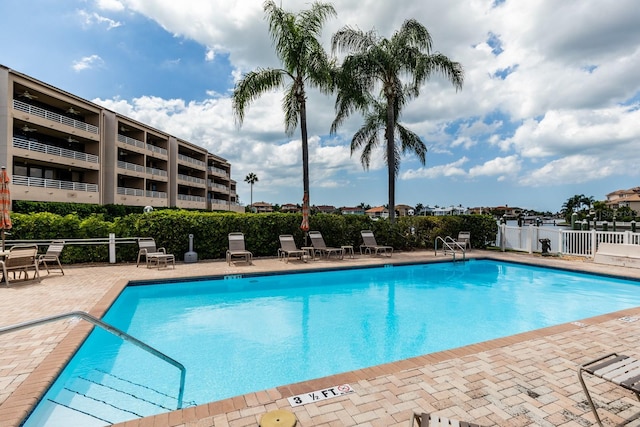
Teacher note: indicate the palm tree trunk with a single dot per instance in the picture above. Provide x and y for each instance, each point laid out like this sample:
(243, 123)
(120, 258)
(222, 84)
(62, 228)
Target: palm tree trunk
(305, 146)
(391, 160)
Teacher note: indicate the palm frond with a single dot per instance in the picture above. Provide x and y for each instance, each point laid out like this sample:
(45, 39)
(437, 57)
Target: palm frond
(252, 86)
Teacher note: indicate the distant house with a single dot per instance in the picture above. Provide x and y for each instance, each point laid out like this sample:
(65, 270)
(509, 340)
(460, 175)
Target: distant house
(352, 211)
(290, 208)
(325, 208)
(377, 212)
(451, 210)
(261, 207)
(405, 210)
(624, 198)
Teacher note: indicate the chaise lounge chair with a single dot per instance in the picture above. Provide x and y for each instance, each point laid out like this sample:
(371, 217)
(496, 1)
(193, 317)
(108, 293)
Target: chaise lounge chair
(464, 239)
(288, 248)
(370, 245)
(430, 420)
(319, 246)
(52, 255)
(153, 255)
(617, 368)
(237, 249)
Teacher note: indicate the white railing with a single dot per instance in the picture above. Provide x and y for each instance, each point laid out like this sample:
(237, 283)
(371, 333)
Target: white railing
(156, 149)
(191, 179)
(130, 191)
(54, 117)
(191, 160)
(567, 242)
(154, 171)
(54, 183)
(131, 166)
(219, 186)
(53, 150)
(215, 170)
(189, 198)
(131, 141)
(156, 194)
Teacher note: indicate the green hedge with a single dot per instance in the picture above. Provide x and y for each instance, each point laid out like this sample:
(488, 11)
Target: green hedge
(171, 229)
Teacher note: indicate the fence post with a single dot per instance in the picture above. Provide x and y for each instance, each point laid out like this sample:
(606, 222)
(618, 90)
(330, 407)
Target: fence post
(560, 242)
(530, 238)
(594, 243)
(502, 236)
(112, 248)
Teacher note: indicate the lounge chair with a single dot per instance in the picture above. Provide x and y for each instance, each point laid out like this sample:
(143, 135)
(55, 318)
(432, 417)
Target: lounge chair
(617, 368)
(371, 246)
(319, 246)
(288, 248)
(153, 255)
(464, 239)
(430, 420)
(236, 248)
(52, 255)
(20, 259)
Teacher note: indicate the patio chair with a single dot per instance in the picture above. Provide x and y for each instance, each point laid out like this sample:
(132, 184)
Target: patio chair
(319, 246)
(464, 239)
(429, 420)
(237, 249)
(153, 255)
(52, 255)
(371, 246)
(618, 369)
(20, 259)
(288, 248)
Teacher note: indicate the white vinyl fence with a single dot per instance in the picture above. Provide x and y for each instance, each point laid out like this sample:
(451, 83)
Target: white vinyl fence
(566, 242)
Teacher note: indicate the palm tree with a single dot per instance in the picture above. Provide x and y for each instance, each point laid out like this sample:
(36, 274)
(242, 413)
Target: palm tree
(375, 62)
(251, 179)
(304, 61)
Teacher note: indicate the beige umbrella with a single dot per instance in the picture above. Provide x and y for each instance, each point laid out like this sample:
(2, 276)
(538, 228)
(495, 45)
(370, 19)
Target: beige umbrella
(5, 203)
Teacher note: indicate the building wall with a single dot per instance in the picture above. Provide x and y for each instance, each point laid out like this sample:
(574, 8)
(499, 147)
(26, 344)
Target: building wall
(59, 147)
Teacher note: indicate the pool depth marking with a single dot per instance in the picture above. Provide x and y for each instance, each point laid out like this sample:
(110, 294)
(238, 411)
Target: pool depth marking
(318, 395)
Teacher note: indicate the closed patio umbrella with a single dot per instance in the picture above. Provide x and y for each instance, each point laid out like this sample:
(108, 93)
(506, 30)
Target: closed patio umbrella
(5, 204)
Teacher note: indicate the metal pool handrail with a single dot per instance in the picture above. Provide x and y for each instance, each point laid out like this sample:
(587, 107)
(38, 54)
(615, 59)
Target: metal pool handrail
(448, 244)
(109, 328)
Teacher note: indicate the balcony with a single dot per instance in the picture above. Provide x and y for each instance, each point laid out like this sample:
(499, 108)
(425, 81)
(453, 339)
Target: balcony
(191, 179)
(217, 171)
(156, 172)
(189, 198)
(156, 149)
(53, 150)
(141, 193)
(131, 166)
(131, 141)
(54, 117)
(219, 187)
(191, 160)
(54, 183)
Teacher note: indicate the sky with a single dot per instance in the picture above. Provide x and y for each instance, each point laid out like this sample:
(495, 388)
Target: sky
(550, 105)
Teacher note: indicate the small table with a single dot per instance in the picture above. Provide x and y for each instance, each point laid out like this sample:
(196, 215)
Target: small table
(309, 251)
(347, 250)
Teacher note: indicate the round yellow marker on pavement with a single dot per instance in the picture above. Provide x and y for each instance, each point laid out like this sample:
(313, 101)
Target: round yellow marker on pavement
(278, 418)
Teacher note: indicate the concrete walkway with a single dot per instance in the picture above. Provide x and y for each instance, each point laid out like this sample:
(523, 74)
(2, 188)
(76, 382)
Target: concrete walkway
(525, 380)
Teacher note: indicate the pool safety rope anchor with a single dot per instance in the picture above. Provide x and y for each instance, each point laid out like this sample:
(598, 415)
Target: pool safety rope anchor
(278, 418)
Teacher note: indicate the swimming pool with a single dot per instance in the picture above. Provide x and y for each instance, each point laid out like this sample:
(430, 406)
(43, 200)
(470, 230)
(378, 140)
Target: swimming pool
(246, 334)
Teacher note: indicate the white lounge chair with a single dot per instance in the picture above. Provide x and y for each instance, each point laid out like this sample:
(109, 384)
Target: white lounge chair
(288, 248)
(319, 246)
(237, 249)
(153, 255)
(52, 255)
(370, 245)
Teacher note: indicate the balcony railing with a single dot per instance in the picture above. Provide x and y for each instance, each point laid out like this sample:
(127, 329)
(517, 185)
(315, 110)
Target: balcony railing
(156, 149)
(131, 141)
(191, 160)
(158, 172)
(131, 166)
(218, 186)
(189, 198)
(217, 171)
(53, 150)
(130, 191)
(54, 183)
(54, 117)
(156, 194)
(191, 179)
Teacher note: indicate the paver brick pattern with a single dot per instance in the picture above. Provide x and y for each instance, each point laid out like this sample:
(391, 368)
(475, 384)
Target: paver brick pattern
(525, 380)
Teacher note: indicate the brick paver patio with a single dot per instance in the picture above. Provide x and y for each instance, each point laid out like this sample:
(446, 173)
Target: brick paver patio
(528, 379)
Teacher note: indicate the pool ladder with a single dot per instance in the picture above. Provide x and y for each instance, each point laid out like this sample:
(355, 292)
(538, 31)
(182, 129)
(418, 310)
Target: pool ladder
(113, 330)
(450, 246)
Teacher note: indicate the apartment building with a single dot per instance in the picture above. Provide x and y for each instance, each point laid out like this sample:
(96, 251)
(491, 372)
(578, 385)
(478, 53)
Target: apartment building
(61, 148)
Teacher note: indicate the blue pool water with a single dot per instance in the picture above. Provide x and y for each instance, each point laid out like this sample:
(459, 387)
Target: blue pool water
(241, 335)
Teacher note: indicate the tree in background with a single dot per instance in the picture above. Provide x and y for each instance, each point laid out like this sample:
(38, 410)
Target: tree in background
(295, 38)
(251, 179)
(379, 63)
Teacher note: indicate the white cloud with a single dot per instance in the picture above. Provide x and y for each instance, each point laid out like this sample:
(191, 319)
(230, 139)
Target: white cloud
(501, 166)
(110, 5)
(87, 62)
(453, 169)
(89, 19)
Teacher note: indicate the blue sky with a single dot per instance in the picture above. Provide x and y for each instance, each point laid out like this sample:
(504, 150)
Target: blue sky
(549, 107)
